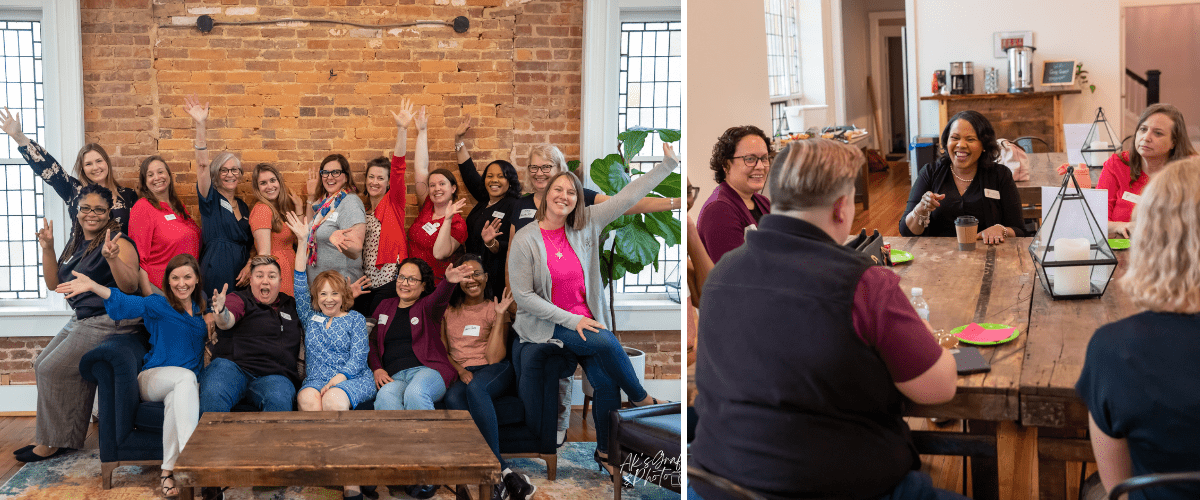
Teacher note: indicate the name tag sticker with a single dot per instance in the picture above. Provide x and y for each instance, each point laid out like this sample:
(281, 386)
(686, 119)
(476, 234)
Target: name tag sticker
(383, 319)
(332, 217)
(498, 214)
(528, 213)
(225, 204)
(318, 318)
(414, 320)
(169, 216)
(471, 331)
(285, 316)
(751, 227)
(430, 227)
(991, 193)
(1132, 198)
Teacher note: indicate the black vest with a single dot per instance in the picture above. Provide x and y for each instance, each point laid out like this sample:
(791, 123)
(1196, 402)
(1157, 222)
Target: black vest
(264, 342)
(791, 402)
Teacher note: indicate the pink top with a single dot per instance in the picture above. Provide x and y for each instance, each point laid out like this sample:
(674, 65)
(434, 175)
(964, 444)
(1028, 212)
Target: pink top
(1115, 178)
(570, 289)
(467, 331)
(160, 234)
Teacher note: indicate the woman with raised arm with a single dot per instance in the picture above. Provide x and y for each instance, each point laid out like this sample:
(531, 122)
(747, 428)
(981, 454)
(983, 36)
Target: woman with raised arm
(339, 227)
(271, 234)
(335, 341)
(429, 237)
(496, 193)
(177, 334)
(224, 217)
(386, 243)
(554, 269)
(160, 224)
(96, 249)
(92, 166)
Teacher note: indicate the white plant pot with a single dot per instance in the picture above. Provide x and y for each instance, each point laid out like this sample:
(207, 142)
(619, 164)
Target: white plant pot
(637, 358)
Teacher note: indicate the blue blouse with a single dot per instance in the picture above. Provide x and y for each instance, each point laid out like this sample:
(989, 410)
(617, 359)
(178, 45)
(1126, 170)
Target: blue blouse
(176, 339)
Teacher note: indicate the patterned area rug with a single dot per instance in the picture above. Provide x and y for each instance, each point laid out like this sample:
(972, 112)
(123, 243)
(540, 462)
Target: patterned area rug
(77, 476)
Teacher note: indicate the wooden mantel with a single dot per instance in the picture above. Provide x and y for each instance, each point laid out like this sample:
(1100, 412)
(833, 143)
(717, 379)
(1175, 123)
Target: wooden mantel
(1012, 115)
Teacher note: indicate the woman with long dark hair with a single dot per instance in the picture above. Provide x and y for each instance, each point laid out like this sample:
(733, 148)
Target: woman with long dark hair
(177, 334)
(98, 250)
(339, 221)
(92, 166)
(160, 224)
(496, 192)
(271, 234)
(965, 180)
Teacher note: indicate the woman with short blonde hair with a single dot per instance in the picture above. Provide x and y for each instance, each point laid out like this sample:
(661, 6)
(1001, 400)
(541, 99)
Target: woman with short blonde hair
(1140, 376)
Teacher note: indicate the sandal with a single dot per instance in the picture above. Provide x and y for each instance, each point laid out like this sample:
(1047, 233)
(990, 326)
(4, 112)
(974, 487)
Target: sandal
(167, 490)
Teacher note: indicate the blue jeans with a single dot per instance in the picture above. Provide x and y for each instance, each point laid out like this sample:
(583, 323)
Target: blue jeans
(223, 383)
(415, 388)
(487, 383)
(608, 368)
(915, 485)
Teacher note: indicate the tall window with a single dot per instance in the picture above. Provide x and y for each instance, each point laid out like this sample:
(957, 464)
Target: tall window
(650, 96)
(22, 207)
(783, 59)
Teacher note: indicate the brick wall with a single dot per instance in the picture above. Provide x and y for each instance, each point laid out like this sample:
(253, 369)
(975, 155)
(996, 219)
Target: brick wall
(273, 99)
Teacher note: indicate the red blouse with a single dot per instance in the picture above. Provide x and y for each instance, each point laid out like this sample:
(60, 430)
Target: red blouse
(423, 233)
(160, 234)
(1115, 178)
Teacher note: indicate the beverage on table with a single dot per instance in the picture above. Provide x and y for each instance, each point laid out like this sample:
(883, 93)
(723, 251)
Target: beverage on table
(966, 228)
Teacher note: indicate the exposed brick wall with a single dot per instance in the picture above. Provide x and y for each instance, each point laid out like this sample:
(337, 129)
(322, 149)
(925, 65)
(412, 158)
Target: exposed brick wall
(517, 70)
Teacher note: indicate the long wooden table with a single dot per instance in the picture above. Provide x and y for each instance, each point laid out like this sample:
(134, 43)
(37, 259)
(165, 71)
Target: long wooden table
(333, 448)
(1043, 172)
(1040, 423)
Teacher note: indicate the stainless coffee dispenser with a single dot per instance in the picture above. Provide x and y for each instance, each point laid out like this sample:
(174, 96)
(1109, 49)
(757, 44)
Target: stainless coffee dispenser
(962, 78)
(1020, 69)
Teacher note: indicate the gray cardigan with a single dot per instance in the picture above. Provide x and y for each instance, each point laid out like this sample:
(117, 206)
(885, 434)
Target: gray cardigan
(529, 275)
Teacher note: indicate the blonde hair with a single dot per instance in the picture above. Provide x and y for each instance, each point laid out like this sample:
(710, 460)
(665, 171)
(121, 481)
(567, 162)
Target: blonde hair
(1164, 261)
(339, 285)
(577, 219)
(550, 153)
(812, 173)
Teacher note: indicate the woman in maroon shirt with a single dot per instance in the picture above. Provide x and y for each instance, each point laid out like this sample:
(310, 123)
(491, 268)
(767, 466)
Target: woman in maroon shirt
(740, 163)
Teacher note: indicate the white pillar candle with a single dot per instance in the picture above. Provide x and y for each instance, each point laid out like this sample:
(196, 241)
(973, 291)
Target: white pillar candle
(1098, 157)
(1071, 280)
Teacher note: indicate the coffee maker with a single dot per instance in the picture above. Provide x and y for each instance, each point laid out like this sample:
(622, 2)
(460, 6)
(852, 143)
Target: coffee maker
(962, 78)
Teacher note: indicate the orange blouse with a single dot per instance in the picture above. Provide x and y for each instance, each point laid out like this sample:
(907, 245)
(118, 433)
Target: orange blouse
(283, 245)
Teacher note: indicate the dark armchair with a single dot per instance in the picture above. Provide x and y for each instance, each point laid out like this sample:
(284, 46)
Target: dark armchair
(130, 429)
(651, 435)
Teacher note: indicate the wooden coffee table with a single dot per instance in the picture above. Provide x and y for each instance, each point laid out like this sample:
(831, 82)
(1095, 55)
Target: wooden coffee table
(336, 448)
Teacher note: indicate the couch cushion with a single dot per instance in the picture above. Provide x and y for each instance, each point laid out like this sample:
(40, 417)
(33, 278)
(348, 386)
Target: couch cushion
(649, 435)
(509, 410)
(149, 417)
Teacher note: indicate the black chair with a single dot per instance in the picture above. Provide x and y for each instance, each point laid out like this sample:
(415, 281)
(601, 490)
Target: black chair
(726, 486)
(130, 429)
(649, 432)
(1026, 143)
(1152, 480)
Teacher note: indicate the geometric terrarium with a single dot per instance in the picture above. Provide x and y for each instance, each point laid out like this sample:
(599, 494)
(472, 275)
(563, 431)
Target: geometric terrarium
(1070, 251)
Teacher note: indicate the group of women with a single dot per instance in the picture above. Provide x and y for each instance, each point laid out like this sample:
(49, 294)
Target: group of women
(369, 293)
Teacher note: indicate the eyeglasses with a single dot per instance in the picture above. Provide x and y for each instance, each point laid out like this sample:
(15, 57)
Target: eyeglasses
(407, 280)
(753, 161)
(227, 171)
(476, 275)
(693, 191)
(332, 173)
(543, 168)
(90, 210)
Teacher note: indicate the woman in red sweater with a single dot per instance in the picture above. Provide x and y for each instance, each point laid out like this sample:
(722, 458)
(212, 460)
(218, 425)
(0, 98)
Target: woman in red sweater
(159, 224)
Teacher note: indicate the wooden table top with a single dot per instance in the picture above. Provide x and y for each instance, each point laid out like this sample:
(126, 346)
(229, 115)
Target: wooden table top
(992, 284)
(347, 447)
(1043, 172)
(1059, 334)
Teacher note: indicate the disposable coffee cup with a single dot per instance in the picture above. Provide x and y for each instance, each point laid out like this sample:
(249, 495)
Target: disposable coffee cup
(966, 227)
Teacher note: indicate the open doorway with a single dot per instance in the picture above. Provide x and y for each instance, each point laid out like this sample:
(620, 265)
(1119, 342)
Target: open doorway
(888, 68)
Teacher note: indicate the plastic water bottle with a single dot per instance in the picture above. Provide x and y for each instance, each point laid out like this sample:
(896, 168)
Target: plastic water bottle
(918, 302)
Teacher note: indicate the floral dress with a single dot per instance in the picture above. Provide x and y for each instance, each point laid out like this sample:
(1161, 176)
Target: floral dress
(341, 347)
(67, 187)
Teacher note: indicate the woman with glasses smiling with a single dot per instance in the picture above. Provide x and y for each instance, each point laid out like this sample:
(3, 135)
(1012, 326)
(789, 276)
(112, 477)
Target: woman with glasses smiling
(225, 218)
(740, 163)
(339, 221)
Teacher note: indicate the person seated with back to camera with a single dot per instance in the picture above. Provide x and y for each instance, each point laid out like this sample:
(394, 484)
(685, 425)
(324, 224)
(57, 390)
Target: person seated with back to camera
(965, 180)
(812, 412)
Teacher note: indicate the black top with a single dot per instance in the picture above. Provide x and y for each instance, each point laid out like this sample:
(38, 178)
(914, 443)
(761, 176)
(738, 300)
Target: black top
(93, 265)
(493, 263)
(397, 344)
(789, 412)
(525, 209)
(756, 213)
(936, 177)
(1141, 383)
(266, 338)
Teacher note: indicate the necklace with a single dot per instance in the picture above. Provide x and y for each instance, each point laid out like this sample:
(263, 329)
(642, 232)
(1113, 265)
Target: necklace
(968, 181)
(558, 253)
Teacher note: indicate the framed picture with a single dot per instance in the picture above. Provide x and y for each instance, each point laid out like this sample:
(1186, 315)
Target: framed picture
(1058, 73)
(1002, 40)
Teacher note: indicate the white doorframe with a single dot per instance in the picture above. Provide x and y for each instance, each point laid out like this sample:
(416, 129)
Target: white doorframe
(878, 70)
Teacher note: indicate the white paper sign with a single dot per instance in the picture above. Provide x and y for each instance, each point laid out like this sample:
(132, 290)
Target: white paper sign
(1073, 136)
(169, 216)
(498, 214)
(528, 213)
(471, 331)
(1132, 198)
(1072, 221)
(332, 217)
(285, 315)
(383, 319)
(318, 318)
(431, 227)
(991, 193)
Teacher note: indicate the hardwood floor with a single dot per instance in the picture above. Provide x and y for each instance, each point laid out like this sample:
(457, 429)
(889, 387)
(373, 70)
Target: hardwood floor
(888, 196)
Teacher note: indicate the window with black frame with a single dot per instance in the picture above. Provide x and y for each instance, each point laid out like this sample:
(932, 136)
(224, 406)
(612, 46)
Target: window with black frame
(22, 207)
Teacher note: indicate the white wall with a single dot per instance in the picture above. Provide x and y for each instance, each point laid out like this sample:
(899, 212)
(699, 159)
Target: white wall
(1085, 30)
(1148, 30)
(726, 57)
(856, 39)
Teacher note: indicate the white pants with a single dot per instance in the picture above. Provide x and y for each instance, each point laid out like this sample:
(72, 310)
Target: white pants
(176, 387)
